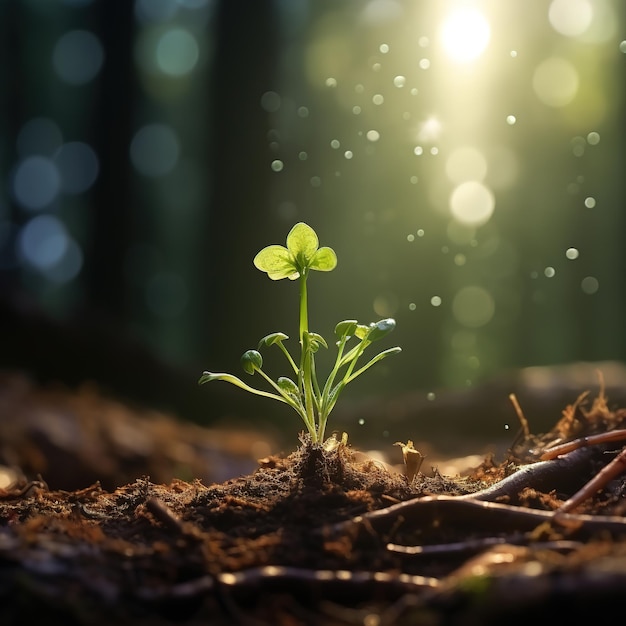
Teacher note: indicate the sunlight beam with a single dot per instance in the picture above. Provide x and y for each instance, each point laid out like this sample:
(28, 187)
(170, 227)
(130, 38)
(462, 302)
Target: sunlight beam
(465, 34)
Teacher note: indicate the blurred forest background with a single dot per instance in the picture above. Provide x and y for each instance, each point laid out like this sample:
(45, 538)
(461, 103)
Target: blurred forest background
(465, 159)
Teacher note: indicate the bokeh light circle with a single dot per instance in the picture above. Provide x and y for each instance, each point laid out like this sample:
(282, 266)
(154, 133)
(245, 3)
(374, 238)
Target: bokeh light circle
(466, 163)
(36, 182)
(177, 52)
(154, 150)
(78, 166)
(570, 17)
(43, 241)
(473, 306)
(555, 82)
(77, 57)
(472, 203)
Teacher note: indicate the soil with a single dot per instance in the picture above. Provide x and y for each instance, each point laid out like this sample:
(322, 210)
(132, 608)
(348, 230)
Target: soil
(323, 535)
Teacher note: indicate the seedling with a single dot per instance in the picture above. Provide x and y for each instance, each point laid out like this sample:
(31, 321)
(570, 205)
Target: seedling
(312, 401)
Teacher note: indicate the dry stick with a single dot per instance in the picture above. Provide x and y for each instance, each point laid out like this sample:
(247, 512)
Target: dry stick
(612, 435)
(434, 511)
(280, 576)
(331, 578)
(600, 480)
(520, 416)
(478, 545)
(610, 471)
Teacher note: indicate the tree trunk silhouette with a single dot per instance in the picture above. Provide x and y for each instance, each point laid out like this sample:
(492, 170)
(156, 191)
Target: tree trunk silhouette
(240, 222)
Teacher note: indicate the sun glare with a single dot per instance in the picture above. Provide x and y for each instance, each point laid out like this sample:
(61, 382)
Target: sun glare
(465, 34)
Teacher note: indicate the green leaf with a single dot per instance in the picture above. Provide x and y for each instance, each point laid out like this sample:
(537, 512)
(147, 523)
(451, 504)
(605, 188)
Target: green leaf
(288, 386)
(278, 262)
(324, 260)
(207, 377)
(270, 340)
(315, 341)
(381, 328)
(251, 361)
(362, 331)
(347, 328)
(302, 242)
(229, 378)
(378, 357)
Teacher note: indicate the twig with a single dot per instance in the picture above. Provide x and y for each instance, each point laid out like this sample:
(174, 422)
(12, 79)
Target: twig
(477, 545)
(333, 579)
(520, 416)
(616, 467)
(170, 520)
(434, 511)
(589, 440)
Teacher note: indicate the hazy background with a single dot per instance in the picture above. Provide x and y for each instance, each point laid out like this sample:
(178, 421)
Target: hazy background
(464, 159)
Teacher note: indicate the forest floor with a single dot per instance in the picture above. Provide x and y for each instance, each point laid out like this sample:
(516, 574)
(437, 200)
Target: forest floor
(323, 535)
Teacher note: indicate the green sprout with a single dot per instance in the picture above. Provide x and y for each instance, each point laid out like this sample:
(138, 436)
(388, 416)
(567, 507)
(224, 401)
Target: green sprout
(303, 393)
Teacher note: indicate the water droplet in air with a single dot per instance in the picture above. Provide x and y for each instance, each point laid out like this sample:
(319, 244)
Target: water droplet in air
(549, 272)
(335, 144)
(622, 46)
(372, 135)
(430, 396)
(420, 232)
(331, 82)
(378, 99)
(435, 301)
(506, 427)
(424, 64)
(418, 150)
(384, 48)
(348, 154)
(277, 165)
(572, 253)
(593, 138)
(412, 306)
(410, 237)
(590, 202)
(399, 81)
(511, 119)
(361, 421)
